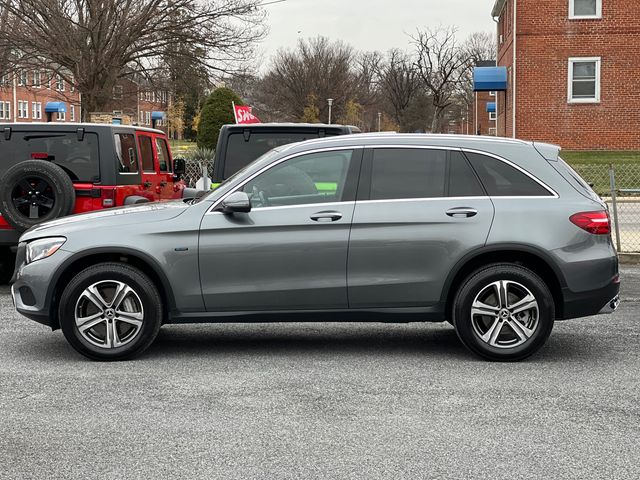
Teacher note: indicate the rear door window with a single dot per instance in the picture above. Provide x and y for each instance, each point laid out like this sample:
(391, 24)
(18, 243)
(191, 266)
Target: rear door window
(399, 173)
(502, 180)
(146, 153)
(463, 182)
(126, 151)
(79, 158)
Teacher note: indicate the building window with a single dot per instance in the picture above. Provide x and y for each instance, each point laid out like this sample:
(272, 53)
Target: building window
(493, 132)
(36, 110)
(493, 116)
(61, 116)
(72, 84)
(147, 118)
(37, 79)
(585, 9)
(22, 78)
(584, 80)
(492, 93)
(117, 92)
(59, 83)
(23, 109)
(4, 80)
(5, 111)
(72, 114)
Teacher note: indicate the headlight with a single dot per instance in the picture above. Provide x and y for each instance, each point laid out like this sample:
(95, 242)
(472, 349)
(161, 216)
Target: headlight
(43, 248)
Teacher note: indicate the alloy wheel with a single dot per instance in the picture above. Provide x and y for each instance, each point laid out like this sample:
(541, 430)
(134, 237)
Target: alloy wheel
(505, 314)
(109, 314)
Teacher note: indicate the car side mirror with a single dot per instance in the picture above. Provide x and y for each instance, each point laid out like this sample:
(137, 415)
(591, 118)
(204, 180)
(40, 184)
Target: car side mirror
(237, 202)
(179, 169)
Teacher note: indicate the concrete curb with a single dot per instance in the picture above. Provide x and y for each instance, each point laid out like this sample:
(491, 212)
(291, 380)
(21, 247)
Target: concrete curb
(629, 258)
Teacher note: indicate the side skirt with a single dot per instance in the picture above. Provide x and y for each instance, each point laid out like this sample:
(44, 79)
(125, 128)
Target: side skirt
(385, 315)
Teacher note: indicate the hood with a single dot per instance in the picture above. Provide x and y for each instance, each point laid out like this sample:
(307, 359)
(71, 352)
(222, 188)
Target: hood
(136, 214)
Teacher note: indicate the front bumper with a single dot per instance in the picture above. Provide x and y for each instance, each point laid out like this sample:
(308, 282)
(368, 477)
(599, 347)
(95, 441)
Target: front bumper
(32, 286)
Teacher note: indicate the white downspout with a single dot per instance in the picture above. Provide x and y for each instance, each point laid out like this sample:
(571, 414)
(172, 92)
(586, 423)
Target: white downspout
(15, 100)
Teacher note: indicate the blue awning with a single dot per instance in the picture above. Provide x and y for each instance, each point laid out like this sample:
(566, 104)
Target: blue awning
(491, 107)
(55, 107)
(157, 115)
(489, 79)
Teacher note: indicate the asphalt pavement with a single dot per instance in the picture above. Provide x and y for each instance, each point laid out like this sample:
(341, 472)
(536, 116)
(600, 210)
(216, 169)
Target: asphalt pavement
(307, 401)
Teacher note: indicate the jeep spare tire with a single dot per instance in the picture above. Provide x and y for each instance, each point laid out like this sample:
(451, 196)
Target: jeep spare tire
(35, 191)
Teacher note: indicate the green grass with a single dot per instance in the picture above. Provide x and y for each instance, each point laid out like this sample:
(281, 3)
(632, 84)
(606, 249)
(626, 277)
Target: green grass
(600, 158)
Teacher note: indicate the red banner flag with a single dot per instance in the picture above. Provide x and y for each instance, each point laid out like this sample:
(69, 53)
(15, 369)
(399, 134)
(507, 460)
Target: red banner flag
(243, 114)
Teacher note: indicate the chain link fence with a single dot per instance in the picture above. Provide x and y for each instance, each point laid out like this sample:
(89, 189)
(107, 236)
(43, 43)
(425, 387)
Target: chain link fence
(619, 186)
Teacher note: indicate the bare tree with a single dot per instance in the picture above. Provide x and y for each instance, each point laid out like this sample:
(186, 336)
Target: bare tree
(93, 43)
(399, 84)
(441, 65)
(317, 67)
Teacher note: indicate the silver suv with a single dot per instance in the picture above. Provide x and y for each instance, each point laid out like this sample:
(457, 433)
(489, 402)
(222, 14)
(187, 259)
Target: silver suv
(498, 237)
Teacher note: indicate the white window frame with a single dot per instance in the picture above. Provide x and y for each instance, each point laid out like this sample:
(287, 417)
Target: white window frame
(147, 118)
(493, 116)
(36, 81)
(598, 62)
(61, 116)
(23, 109)
(492, 93)
(5, 113)
(72, 114)
(493, 131)
(23, 78)
(59, 83)
(572, 11)
(36, 110)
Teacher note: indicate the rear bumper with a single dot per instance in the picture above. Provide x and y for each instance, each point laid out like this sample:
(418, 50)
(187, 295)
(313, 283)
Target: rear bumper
(592, 302)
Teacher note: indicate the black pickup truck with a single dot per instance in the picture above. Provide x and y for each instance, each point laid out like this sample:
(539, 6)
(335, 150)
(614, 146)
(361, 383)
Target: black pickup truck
(239, 145)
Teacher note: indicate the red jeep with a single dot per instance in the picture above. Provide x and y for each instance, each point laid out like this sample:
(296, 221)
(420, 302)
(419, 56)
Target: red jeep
(51, 170)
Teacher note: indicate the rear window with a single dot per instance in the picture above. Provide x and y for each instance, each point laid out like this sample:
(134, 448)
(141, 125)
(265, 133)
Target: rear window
(502, 180)
(399, 173)
(80, 159)
(241, 152)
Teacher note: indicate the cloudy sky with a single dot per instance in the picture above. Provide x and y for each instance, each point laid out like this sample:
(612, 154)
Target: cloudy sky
(371, 24)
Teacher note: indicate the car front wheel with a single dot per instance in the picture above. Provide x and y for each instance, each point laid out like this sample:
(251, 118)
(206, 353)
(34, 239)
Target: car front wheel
(110, 311)
(503, 312)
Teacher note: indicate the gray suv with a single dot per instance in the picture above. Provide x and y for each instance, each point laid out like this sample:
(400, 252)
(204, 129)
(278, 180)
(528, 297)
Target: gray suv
(498, 237)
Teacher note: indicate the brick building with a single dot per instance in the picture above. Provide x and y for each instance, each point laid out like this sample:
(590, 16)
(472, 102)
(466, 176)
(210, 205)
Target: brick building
(572, 66)
(24, 97)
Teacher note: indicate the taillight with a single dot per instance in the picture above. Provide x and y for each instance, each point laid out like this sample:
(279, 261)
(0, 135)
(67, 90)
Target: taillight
(593, 222)
(108, 197)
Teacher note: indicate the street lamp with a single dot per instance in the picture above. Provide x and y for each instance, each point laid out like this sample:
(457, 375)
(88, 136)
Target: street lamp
(379, 121)
(330, 102)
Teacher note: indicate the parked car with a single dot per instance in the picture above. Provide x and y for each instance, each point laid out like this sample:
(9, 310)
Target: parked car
(50, 170)
(239, 145)
(499, 237)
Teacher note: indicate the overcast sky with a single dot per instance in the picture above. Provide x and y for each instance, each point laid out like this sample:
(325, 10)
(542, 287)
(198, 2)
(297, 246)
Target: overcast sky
(370, 24)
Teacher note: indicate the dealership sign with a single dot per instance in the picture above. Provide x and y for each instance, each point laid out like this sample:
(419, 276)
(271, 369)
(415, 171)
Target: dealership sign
(243, 114)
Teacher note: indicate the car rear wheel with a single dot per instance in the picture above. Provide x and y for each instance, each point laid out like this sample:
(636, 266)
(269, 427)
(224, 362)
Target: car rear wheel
(110, 311)
(35, 191)
(503, 312)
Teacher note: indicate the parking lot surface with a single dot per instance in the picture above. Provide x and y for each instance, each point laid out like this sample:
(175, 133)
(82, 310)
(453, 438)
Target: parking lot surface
(323, 401)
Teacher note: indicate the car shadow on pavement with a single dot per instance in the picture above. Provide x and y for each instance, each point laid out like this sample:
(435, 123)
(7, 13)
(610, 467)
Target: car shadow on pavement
(286, 339)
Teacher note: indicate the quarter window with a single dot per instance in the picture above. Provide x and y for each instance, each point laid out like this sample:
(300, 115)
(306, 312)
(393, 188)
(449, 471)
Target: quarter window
(398, 173)
(463, 181)
(146, 153)
(502, 180)
(126, 150)
(584, 80)
(308, 179)
(585, 9)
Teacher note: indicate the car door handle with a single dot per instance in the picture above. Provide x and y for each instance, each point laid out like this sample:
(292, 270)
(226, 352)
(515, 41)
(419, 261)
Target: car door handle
(326, 216)
(163, 183)
(462, 212)
(147, 184)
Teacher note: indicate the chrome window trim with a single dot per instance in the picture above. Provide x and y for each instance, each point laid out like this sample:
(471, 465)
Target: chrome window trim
(480, 152)
(305, 205)
(270, 166)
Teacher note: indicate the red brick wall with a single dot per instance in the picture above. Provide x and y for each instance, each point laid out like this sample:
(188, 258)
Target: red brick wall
(546, 39)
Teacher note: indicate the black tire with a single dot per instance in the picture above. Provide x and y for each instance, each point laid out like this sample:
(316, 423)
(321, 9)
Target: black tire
(104, 273)
(18, 190)
(469, 329)
(7, 264)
